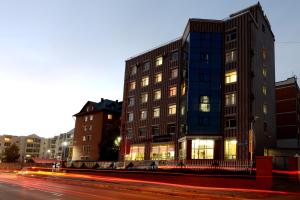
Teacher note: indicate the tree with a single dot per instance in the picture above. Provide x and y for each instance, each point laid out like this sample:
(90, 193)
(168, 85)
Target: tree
(11, 153)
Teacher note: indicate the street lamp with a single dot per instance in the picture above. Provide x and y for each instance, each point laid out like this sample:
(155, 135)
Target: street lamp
(64, 144)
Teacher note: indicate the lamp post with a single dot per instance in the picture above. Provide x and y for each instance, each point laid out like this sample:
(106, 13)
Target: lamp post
(64, 144)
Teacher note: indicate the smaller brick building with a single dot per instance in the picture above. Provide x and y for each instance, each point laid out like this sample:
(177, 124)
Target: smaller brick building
(288, 113)
(97, 127)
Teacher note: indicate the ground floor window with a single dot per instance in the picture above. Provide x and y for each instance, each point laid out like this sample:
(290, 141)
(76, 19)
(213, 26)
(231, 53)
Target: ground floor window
(162, 151)
(202, 149)
(182, 150)
(230, 149)
(136, 152)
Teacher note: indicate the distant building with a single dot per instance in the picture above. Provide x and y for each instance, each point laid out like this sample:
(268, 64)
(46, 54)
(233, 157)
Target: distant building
(288, 113)
(96, 129)
(203, 95)
(7, 141)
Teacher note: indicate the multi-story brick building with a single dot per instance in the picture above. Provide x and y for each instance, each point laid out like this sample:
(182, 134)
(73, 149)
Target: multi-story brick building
(288, 113)
(97, 126)
(204, 94)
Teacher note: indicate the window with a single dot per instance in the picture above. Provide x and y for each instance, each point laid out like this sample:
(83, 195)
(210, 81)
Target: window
(86, 118)
(264, 89)
(174, 56)
(156, 112)
(264, 72)
(158, 78)
(159, 61)
(90, 128)
(129, 132)
(131, 101)
(145, 81)
(230, 123)
(231, 36)
(265, 108)
(155, 130)
(85, 128)
(183, 88)
(130, 117)
(265, 126)
(143, 114)
(157, 94)
(29, 140)
(230, 56)
(264, 53)
(86, 148)
(172, 91)
(230, 99)
(203, 121)
(172, 109)
(84, 138)
(144, 98)
(162, 152)
(230, 149)
(146, 66)
(230, 77)
(182, 110)
(171, 129)
(142, 131)
(174, 73)
(7, 139)
(91, 117)
(133, 70)
(204, 77)
(204, 104)
(202, 149)
(204, 57)
(136, 152)
(109, 116)
(132, 85)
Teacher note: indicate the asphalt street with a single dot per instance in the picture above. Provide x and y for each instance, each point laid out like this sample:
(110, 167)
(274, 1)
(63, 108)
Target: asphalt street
(35, 187)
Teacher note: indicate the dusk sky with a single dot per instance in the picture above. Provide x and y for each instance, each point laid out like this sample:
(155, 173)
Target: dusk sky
(55, 55)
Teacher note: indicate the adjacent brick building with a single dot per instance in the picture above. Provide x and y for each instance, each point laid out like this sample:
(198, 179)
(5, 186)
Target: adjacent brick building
(288, 113)
(199, 96)
(97, 127)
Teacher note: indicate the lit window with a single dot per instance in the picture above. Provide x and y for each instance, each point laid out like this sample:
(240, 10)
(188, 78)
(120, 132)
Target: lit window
(202, 149)
(157, 94)
(6, 139)
(172, 91)
(182, 110)
(83, 138)
(174, 56)
(85, 118)
(204, 104)
(265, 108)
(146, 66)
(172, 109)
(183, 88)
(264, 72)
(174, 73)
(130, 117)
(230, 123)
(85, 128)
(159, 61)
(109, 116)
(142, 131)
(133, 70)
(156, 112)
(131, 101)
(91, 117)
(144, 98)
(264, 89)
(132, 85)
(230, 99)
(230, 56)
(162, 152)
(155, 130)
(145, 81)
(230, 77)
(90, 128)
(136, 152)
(29, 140)
(143, 114)
(230, 149)
(158, 78)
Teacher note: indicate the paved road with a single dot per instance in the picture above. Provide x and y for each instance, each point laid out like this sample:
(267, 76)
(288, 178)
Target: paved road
(35, 187)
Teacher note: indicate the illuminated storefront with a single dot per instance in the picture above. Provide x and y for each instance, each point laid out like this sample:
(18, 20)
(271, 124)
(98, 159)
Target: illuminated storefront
(163, 151)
